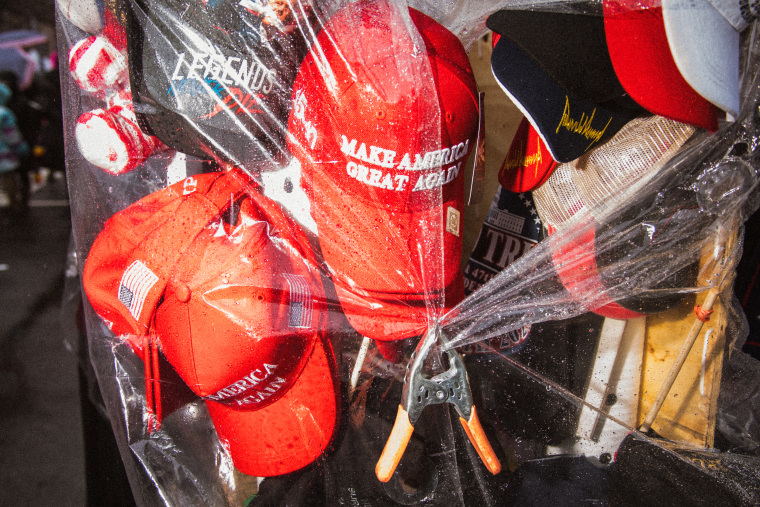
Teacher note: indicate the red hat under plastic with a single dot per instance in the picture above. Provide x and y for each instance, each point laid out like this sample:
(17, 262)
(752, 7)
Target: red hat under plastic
(641, 56)
(528, 163)
(383, 144)
(227, 283)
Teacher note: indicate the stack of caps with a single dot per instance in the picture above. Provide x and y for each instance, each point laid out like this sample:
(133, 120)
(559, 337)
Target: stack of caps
(557, 72)
(581, 74)
(592, 183)
(679, 59)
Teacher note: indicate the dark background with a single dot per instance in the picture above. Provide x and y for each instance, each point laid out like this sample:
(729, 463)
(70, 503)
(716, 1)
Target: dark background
(42, 445)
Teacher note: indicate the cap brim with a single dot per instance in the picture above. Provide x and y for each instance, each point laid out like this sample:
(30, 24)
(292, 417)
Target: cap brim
(395, 317)
(290, 433)
(642, 60)
(705, 48)
(571, 48)
(570, 126)
(528, 163)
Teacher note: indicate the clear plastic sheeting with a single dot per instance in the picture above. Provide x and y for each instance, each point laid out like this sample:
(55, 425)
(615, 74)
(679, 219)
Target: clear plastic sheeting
(268, 205)
(648, 233)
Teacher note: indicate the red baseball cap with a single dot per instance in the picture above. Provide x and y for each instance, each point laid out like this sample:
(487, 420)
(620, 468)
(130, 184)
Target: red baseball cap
(383, 129)
(576, 265)
(230, 288)
(641, 56)
(528, 163)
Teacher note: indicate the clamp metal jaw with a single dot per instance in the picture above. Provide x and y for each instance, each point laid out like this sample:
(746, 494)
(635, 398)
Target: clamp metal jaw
(451, 386)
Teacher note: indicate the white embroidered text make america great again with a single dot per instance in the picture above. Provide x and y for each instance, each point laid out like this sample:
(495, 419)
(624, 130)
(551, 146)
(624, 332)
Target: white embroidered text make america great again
(390, 170)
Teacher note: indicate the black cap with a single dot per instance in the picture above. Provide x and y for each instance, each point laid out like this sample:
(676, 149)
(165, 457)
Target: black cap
(570, 47)
(569, 125)
(207, 82)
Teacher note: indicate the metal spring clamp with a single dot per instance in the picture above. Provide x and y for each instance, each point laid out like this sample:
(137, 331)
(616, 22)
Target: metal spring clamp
(451, 386)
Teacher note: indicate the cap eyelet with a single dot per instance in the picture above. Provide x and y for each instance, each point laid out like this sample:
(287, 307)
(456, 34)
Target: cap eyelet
(449, 116)
(380, 115)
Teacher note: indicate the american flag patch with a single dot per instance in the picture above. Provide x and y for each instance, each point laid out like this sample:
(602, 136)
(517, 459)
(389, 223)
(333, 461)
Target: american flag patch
(135, 284)
(301, 305)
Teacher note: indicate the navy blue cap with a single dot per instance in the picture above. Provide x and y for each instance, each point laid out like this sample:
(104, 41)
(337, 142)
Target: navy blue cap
(571, 47)
(568, 124)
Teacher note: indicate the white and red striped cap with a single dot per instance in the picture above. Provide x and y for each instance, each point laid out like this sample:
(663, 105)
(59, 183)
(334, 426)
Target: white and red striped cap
(573, 196)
